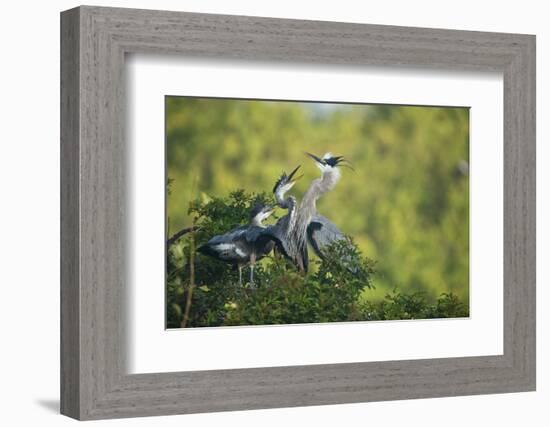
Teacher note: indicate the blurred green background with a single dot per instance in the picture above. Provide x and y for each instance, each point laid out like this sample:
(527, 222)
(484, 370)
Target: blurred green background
(406, 205)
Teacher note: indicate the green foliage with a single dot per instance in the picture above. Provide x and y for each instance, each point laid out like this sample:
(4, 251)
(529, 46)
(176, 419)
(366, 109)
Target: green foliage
(333, 291)
(218, 215)
(406, 205)
(398, 306)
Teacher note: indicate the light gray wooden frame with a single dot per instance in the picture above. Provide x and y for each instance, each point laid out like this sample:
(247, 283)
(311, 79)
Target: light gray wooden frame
(94, 41)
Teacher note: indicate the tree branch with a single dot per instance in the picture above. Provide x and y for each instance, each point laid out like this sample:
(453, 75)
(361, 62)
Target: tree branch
(179, 234)
(191, 278)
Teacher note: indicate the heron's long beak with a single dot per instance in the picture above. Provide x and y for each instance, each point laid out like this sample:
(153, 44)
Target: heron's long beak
(345, 162)
(317, 159)
(339, 161)
(291, 177)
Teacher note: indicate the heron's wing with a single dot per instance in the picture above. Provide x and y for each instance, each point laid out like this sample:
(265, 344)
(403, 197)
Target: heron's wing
(291, 250)
(277, 234)
(231, 235)
(322, 232)
(255, 239)
(272, 234)
(230, 247)
(253, 233)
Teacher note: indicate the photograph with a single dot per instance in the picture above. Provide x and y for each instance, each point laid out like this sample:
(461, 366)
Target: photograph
(285, 212)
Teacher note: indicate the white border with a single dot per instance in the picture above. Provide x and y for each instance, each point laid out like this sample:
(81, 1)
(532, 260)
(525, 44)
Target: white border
(152, 349)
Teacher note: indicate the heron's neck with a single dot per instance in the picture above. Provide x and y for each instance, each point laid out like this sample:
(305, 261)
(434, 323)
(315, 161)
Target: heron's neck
(291, 206)
(279, 197)
(257, 222)
(320, 186)
(288, 203)
(330, 178)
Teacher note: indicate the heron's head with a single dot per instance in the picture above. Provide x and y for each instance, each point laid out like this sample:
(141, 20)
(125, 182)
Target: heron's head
(328, 162)
(260, 212)
(286, 182)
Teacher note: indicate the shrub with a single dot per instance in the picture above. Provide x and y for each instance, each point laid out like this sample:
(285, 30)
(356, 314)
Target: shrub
(398, 306)
(202, 291)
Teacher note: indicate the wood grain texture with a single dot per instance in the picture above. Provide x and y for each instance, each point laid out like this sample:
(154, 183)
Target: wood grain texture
(94, 272)
(70, 292)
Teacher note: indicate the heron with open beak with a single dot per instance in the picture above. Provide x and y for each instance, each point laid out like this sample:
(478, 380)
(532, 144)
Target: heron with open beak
(308, 222)
(282, 232)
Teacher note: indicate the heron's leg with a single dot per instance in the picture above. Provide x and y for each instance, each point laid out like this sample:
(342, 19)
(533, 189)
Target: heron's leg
(240, 267)
(252, 262)
(301, 266)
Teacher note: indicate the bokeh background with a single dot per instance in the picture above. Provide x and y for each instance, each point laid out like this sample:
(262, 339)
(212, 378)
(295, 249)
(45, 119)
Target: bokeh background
(406, 204)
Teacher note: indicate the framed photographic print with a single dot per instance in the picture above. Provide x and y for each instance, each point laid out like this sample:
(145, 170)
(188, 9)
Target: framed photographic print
(262, 213)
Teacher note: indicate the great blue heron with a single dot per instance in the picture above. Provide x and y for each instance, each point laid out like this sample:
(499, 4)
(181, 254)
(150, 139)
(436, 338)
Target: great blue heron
(321, 232)
(242, 246)
(307, 209)
(281, 232)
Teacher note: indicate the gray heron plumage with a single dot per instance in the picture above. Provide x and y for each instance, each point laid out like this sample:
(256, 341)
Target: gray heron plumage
(242, 246)
(281, 232)
(321, 232)
(307, 209)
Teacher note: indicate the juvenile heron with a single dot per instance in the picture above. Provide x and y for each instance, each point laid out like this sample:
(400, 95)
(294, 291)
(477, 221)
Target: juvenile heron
(242, 246)
(283, 185)
(281, 232)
